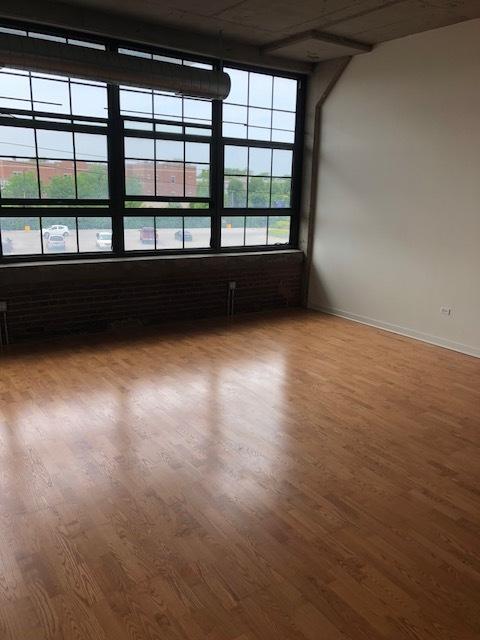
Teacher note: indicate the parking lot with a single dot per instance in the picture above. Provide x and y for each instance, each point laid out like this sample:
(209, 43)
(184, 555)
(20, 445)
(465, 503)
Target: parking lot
(30, 242)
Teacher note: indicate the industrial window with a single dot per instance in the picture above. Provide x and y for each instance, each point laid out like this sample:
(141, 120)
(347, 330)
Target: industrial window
(259, 126)
(260, 106)
(257, 177)
(89, 168)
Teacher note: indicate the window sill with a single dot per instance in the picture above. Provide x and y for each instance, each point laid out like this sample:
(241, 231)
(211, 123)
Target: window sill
(146, 258)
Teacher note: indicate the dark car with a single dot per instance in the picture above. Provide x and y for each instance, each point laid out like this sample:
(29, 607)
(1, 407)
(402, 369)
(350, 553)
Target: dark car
(7, 246)
(148, 235)
(187, 235)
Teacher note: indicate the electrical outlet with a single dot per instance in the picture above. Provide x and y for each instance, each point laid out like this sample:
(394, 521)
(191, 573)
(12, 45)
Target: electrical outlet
(232, 285)
(446, 311)
(3, 307)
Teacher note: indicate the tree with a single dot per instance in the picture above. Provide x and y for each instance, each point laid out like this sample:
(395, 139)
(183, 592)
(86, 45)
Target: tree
(59, 187)
(93, 183)
(21, 185)
(133, 186)
(281, 188)
(259, 192)
(235, 193)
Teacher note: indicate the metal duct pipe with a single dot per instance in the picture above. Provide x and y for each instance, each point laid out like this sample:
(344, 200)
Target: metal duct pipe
(31, 54)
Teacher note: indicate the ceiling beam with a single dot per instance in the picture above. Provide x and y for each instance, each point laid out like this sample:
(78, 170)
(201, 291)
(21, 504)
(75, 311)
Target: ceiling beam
(321, 36)
(123, 27)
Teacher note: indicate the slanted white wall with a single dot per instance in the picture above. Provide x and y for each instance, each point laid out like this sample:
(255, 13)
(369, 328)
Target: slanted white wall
(397, 231)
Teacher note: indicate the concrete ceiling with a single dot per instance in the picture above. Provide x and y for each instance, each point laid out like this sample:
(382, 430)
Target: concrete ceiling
(300, 30)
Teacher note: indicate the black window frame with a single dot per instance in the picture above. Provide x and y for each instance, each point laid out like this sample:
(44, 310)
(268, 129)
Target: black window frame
(116, 208)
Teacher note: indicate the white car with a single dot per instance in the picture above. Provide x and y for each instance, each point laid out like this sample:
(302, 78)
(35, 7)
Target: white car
(56, 230)
(104, 240)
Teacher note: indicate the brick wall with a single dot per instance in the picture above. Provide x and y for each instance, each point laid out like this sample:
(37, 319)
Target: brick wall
(54, 299)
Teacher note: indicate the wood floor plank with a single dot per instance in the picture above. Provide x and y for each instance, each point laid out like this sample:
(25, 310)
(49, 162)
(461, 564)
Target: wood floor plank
(275, 477)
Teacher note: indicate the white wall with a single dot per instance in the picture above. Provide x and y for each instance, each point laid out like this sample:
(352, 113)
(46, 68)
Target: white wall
(397, 231)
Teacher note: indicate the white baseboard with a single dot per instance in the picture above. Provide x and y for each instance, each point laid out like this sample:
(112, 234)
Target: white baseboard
(403, 331)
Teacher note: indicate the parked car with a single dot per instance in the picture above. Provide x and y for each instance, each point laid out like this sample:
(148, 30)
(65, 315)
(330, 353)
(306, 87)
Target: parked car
(56, 243)
(104, 240)
(187, 235)
(57, 230)
(148, 235)
(7, 246)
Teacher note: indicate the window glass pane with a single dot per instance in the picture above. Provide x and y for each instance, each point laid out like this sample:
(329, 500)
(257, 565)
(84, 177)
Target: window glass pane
(138, 54)
(255, 133)
(197, 232)
(135, 103)
(233, 231)
(285, 94)
(232, 113)
(260, 162)
(169, 232)
(92, 180)
(283, 136)
(197, 152)
(171, 128)
(260, 91)
(50, 95)
(236, 160)
(197, 131)
(197, 109)
(139, 233)
(198, 65)
(169, 150)
(18, 178)
(89, 146)
(57, 178)
(139, 177)
(13, 32)
(281, 188)
(20, 236)
(139, 148)
(162, 204)
(59, 235)
(17, 141)
(14, 92)
(239, 90)
(55, 144)
(89, 100)
(235, 192)
(167, 59)
(170, 179)
(256, 230)
(260, 117)
(138, 125)
(82, 43)
(167, 107)
(283, 120)
(46, 36)
(258, 192)
(234, 131)
(94, 234)
(197, 180)
(282, 163)
(278, 229)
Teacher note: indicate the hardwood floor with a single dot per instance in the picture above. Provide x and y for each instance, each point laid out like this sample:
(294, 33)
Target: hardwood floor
(294, 477)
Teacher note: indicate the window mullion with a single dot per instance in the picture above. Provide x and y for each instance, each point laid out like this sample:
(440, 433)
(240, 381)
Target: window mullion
(116, 168)
(216, 174)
